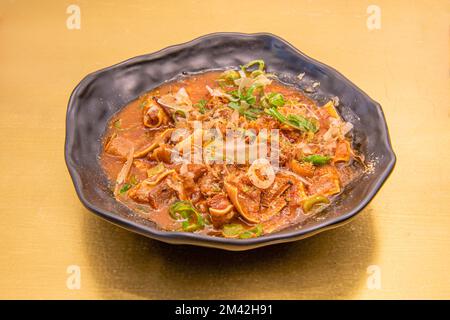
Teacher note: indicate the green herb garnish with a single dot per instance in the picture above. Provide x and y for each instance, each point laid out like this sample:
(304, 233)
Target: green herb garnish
(275, 99)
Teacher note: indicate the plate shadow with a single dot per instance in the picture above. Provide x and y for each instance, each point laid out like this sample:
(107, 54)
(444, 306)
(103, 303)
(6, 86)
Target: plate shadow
(326, 266)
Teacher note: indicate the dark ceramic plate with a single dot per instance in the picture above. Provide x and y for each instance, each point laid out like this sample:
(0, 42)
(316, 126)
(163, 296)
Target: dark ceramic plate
(102, 93)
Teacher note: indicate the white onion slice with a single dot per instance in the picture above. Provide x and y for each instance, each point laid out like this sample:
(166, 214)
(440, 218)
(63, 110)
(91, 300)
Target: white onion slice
(265, 169)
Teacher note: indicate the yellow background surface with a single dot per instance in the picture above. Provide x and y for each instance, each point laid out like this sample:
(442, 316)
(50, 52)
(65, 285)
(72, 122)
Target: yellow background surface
(405, 231)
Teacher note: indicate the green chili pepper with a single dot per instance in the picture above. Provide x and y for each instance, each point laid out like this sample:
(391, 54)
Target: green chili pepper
(317, 159)
(232, 230)
(236, 230)
(309, 203)
(252, 233)
(184, 211)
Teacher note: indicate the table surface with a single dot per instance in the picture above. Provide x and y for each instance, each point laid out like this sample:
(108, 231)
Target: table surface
(400, 241)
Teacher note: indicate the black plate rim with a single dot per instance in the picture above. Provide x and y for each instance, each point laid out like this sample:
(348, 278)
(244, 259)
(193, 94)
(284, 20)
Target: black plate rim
(175, 237)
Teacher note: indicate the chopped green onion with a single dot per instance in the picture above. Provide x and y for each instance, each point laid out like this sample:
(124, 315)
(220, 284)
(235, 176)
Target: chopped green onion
(317, 159)
(245, 110)
(125, 188)
(259, 62)
(273, 99)
(301, 122)
(202, 106)
(229, 76)
(256, 73)
(295, 121)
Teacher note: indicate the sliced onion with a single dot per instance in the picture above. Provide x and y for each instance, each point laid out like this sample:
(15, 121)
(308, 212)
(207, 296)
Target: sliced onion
(265, 168)
(219, 93)
(182, 97)
(124, 171)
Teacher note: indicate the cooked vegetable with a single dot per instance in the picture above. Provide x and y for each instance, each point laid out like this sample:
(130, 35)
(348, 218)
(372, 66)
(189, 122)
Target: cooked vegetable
(252, 233)
(202, 106)
(261, 173)
(233, 230)
(273, 99)
(125, 188)
(292, 120)
(184, 211)
(317, 159)
(244, 109)
(314, 200)
(259, 62)
(236, 230)
(229, 76)
(331, 109)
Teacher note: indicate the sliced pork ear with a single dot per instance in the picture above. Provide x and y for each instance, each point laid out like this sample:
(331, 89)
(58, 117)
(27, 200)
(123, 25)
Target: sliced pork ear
(273, 199)
(279, 186)
(158, 196)
(248, 207)
(162, 153)
(160, 191)
(154, 115)
(162, 138)
(220, 209)
(325, 182)
(209, 184)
